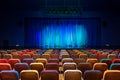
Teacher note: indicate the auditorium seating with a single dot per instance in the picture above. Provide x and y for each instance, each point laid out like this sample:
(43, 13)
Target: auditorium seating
(100, 66)
(12, 62)
(37, 66)
(5, 66)
(21, 66)
(92, 75)
(7, 56)
(89, 64)
(72, 75)
(49, 75)
(9, 75)
(69, 66)
(115, 66)
(111, 75)
(28, 60)
(29, 75)
(84, 66)
(41, 60)
(52, 66)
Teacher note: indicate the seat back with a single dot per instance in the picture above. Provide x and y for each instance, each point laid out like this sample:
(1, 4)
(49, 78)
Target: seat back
(21, 66)
(49, 75)
(9, 75)
(72, 75)
(111, 75)
(92, 75)
(29, 75)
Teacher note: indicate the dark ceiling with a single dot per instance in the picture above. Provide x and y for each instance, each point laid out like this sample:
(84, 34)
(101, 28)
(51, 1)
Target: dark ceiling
(86, 5)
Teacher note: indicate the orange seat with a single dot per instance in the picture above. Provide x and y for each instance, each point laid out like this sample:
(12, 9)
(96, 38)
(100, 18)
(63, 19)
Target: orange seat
(100, 66)
(69, 66)
(37, 66)
(29, 75)
(111, 75)
(72, 75)
(7, 56)
(41, 60)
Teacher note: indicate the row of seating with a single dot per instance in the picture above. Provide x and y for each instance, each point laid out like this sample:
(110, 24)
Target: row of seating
(54, 75)
(65, 61)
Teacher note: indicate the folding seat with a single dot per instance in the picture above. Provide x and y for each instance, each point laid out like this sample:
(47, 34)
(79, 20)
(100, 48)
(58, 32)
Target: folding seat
(85, 56)
(92, 61)
(111, 75)
(112, 56)
(69, 66)
(46, 56)
(9, 75)
(79, 60)
(28, 60)
(103, 55)
(115, 66)
(12, 62)
(35, 56)
(67, 60)
(84, 66)
(3, 61)
(72, 75)
(41, 60)
(54, 56)
(52, 66)
(29, 75)
(100, 66)
(53, 60)
(7, 56)
(21, 66)
(92, 75)
(17, 56)
(49, 75)
(37, 66)
(94, 56)
(116, 60)
(107, 61)
(73, 56)
(26, 56)
(65, 56)
(5, 66)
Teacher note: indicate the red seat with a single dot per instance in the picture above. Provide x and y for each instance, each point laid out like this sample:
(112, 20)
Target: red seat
(5, 66)
(12, 62)
(3, 61)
